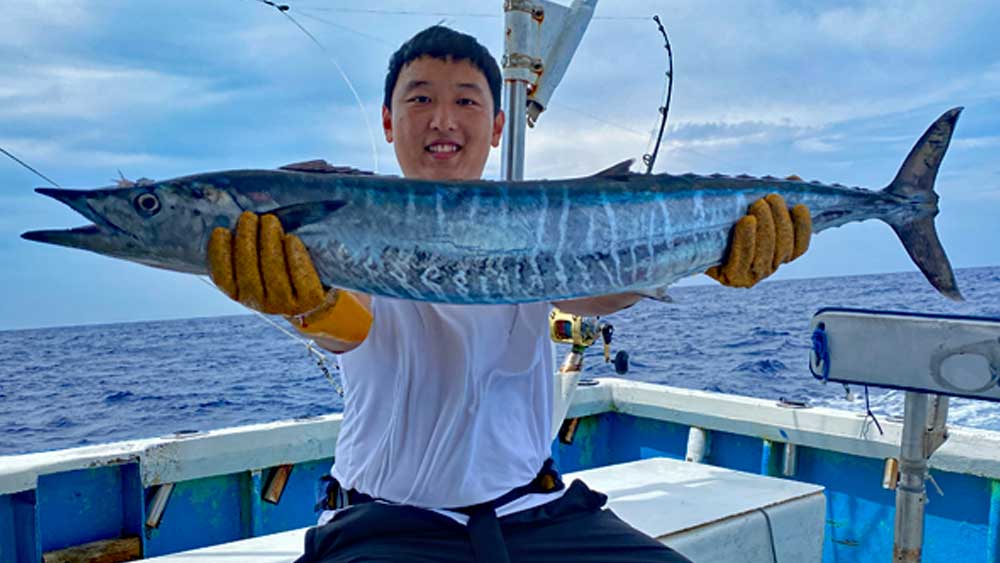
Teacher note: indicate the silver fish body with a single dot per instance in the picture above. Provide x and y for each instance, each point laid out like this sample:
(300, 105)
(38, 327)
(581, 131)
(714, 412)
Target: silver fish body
(497, 242)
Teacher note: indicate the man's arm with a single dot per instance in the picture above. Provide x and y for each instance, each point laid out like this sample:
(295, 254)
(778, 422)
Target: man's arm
(598, 306)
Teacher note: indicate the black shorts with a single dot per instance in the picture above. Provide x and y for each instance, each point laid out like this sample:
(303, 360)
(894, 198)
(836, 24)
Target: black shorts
(574, 528)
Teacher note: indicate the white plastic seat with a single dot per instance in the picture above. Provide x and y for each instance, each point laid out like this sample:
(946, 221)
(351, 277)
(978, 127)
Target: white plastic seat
(707, 513)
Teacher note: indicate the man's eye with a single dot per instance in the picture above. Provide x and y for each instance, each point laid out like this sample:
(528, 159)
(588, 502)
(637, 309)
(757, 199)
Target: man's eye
(419, 99)
(467, 102)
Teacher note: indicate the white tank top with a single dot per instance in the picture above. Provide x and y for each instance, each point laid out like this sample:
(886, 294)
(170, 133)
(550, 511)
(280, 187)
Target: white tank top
(447, 405)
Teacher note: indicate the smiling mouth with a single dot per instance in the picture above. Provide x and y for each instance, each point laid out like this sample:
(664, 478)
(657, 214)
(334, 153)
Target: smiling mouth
(443, 150)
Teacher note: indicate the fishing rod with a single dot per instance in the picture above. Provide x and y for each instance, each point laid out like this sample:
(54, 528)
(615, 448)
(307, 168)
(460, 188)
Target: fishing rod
(650, 159)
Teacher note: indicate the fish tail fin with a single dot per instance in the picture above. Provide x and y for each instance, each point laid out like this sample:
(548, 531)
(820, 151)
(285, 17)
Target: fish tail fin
(915, 182)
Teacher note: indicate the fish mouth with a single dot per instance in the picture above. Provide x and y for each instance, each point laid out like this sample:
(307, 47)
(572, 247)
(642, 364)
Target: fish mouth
(102, 234)
(87, 237)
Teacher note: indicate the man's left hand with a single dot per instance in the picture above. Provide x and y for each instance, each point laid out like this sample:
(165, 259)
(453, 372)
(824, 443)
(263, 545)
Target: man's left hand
(767, 236)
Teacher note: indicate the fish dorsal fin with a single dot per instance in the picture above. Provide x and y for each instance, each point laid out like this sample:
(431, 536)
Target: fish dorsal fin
(617, 171)
(320, 166)
(293, 217)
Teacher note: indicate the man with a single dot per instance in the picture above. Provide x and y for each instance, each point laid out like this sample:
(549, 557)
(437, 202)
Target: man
(446, 432)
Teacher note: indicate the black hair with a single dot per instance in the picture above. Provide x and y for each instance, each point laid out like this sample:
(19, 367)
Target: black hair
(444, 43)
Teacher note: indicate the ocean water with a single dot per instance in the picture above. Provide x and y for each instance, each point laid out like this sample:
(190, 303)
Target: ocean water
(73, 386)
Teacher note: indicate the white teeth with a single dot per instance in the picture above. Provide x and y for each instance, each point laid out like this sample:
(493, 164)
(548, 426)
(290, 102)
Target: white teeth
(443, 148)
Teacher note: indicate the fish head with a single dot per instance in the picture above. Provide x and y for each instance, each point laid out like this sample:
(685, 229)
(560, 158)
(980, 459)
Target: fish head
(161, 224)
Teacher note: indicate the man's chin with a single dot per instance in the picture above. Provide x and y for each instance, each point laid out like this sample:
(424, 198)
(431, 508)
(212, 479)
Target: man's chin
(448, 170)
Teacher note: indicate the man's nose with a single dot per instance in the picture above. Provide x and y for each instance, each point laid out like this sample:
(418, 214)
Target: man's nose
(443, 118)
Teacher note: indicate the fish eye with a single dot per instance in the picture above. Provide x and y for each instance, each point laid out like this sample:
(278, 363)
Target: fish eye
(147, 204)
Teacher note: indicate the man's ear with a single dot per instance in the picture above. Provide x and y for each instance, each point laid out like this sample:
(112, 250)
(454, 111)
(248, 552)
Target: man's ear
(387, 124)
(498, 122)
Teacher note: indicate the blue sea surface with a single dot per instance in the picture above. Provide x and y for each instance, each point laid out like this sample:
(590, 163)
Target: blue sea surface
(73, 386)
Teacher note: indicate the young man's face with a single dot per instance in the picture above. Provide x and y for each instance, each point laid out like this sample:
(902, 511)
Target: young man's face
(442, 123)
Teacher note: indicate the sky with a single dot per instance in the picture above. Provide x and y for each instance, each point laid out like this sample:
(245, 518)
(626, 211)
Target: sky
(833, 91)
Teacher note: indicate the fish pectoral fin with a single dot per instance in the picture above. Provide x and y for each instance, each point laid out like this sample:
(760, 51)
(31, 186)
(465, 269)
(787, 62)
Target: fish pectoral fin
(657, 294)
(293, 217)
(620, 170)
(320, 166)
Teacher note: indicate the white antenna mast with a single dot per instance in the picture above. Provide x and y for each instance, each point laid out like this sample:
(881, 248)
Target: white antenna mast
(540, 39)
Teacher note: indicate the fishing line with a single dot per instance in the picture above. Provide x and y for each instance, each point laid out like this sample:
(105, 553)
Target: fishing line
(383, 12)
(309, 344)
(26, 165)
(303, 12)
(283, 10)
(600, 119)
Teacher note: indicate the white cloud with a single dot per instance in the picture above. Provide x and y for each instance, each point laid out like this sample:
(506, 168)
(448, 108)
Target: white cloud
(94, 92)
(894, 24)
(816, 144)
(977, 142)
(26, 23)
(51, 156)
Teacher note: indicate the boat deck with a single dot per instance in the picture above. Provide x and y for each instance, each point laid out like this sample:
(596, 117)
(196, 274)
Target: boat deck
(705, 512)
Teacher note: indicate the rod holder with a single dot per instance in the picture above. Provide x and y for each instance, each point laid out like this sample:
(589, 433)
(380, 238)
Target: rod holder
(158, 505)
(890, 474)
(697, 445)
(276, 483)
(790, 461)
(567, 432)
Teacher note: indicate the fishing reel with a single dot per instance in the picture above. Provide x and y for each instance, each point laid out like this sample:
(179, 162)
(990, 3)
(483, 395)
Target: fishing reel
(581, 333)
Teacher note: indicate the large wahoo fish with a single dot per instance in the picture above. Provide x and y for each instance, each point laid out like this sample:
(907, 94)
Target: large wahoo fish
(496, 242)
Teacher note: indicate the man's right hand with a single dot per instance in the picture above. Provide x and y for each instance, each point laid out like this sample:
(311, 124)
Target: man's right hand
(270, 271)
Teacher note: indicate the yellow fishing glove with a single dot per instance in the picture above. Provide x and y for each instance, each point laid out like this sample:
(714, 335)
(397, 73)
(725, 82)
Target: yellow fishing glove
(270, 271)
(767, 236)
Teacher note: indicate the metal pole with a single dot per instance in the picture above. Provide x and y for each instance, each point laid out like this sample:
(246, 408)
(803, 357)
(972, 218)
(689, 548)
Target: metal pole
(521, 32)
(911, 491)
(512, 149)
(790, 463)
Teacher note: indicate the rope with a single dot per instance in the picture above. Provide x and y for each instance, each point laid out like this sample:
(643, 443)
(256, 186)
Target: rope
(822, 350)
(770, 534)
(870, 414)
